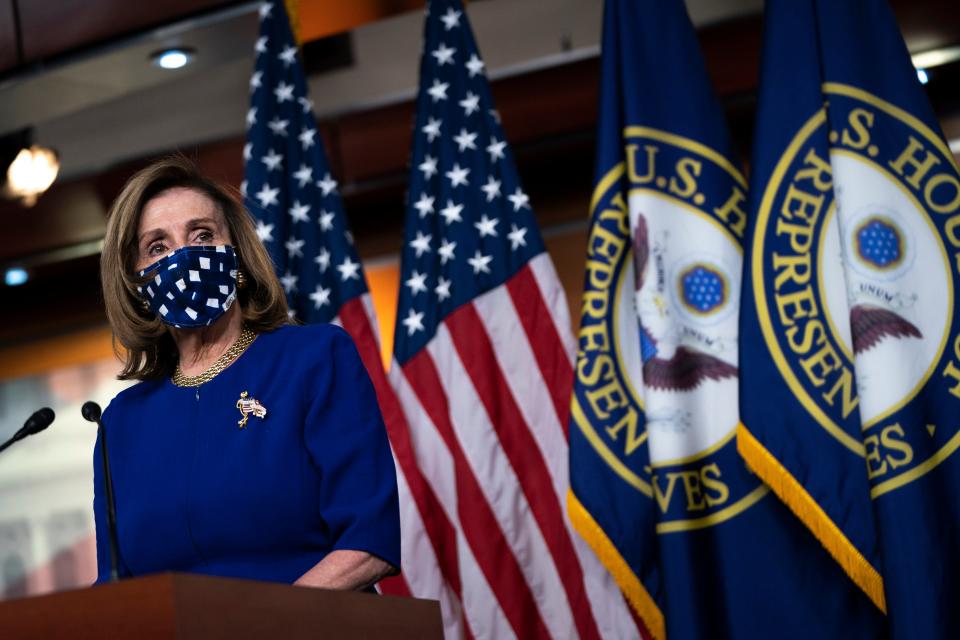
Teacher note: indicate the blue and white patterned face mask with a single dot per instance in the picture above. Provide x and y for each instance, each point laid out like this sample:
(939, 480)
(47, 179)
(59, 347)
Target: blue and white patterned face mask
(193, 286)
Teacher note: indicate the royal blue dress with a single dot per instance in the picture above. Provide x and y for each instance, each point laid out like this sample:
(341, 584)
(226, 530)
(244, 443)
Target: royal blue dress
(197, 493)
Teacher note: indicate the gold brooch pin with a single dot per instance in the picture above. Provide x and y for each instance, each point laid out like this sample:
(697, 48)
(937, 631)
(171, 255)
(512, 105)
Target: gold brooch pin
(249, 406)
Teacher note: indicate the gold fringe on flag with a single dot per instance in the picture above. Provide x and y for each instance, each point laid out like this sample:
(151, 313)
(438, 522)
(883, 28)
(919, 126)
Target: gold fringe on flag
(626, 579)
(812, 515)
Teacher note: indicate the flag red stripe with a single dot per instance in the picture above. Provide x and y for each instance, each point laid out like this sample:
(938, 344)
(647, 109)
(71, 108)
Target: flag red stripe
(478, 522)
(548, 348)
(476, 351)
(440, 530)
(395, 586)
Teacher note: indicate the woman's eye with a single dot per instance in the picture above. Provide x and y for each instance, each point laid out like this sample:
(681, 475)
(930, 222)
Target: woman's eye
(155, 249)
(204, 236)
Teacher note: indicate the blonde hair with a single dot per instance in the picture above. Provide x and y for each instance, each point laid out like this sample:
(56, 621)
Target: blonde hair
(148, 349)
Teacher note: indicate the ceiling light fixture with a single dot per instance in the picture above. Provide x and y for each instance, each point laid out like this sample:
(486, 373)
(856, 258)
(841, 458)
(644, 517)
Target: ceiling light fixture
(173, 58)
(31, 173)
(15, 276)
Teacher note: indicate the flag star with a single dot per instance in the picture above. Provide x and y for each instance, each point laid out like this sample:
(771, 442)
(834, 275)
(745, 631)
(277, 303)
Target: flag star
(424, 205)
(450, 19)
(452, 212)
(443, 54)
(495, 115)
(487, 226)
(327, 184)
(256, 80)
(480, 262)
(413, 322)
(299, 212)
(303, 175)
(265, 10)
(470, 104)
(432, 129)
(474, 65)
(291, 314)
(323, 260)
(243, 188)
(294, 247)
(348, 269)
(457, 175)
(421, 244)
(267, 196)
(417, 282)
(348, 235)
(283, 92)
(519, 200)
(251, 116)
(289, 282)
(446, 250)
(320, 297)
(306, 103)
(429, 164)
(492, 189)
(278, 126)
(326, 220)
(272, 160)
(495, 149)
(264, 231)
(516, 237)
(465, 140)
(442, 289)
(288, 55)
(248, 151)
(438, 90)
(261, 46)
(306, 137)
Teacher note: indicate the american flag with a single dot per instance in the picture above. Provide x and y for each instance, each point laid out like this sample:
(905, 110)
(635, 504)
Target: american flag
(300, 218)
(288, 186)
(483, 370)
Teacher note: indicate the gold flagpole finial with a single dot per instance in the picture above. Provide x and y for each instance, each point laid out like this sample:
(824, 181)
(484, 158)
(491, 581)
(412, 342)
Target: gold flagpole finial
(293, 12)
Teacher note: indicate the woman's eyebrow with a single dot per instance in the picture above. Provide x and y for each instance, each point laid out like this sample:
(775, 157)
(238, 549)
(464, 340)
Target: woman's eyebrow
(151, 235)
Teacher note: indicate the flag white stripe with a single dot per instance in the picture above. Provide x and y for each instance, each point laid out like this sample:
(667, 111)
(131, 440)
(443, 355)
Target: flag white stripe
(484, 615)
(519, 365)
(517, 361)
(371, 317)
(424, 577)
(499, 483)
(555, 300)
(436, 464)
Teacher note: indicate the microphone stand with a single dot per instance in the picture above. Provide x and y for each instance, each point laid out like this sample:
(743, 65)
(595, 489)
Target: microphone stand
(91, 412)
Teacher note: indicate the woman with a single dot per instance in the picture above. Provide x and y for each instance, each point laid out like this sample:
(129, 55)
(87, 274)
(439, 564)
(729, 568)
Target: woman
(250, 448)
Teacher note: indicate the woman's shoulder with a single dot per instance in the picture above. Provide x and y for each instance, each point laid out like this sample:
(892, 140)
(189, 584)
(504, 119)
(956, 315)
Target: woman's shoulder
(135, 394)
(307, 337)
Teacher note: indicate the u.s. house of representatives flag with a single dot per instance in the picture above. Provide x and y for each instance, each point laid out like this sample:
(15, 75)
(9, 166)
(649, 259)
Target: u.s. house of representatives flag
(658, 487)
(851, 340)
(482, 366)
(300, 219)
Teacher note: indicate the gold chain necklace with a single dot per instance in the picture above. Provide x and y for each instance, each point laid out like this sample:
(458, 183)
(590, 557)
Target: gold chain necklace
(246, 338)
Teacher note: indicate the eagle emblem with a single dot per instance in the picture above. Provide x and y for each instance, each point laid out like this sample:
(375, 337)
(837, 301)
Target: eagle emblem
(688, 367)
(249, 406)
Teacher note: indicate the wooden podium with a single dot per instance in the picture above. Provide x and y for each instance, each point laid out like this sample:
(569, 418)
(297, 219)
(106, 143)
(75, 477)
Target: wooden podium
(175, 605)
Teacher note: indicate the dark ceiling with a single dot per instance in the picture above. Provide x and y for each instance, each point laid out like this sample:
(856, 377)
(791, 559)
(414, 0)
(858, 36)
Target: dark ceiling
(368, 149)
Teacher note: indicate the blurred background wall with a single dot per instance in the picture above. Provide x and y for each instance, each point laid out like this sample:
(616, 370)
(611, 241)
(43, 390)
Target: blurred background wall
(78, 76)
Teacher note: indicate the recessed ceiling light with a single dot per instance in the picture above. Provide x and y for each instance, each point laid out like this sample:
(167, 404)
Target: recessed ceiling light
(922, 76)
(15, 276)
(173, 58)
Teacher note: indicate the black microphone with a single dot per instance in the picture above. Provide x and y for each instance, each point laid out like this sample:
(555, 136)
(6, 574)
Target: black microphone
(36, 423)
(91, 412)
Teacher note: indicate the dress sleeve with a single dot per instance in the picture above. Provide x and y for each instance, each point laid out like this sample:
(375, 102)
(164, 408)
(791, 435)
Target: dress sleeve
(347, 441)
